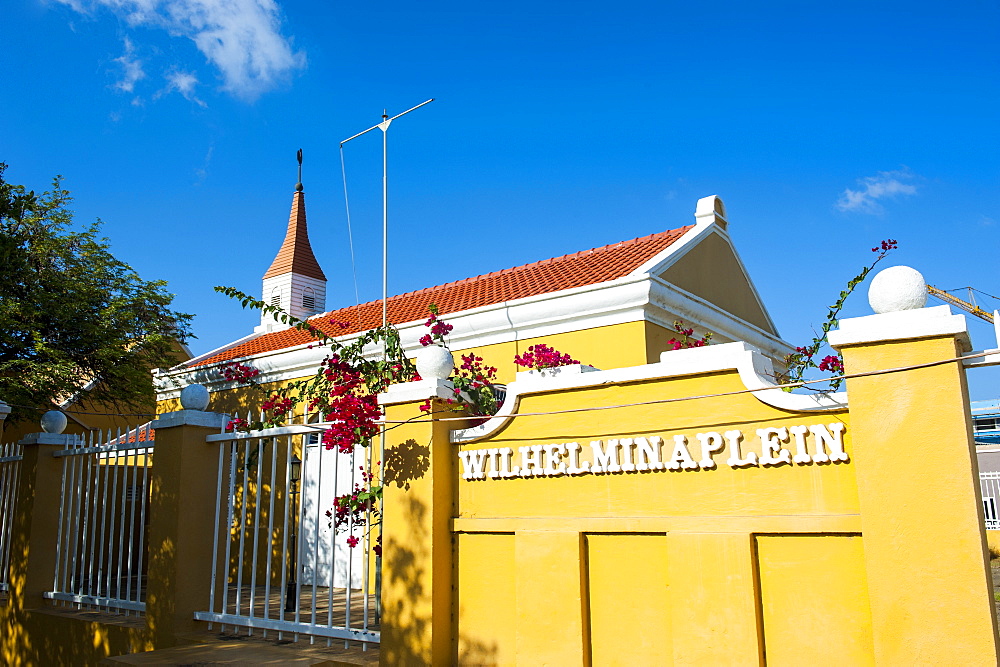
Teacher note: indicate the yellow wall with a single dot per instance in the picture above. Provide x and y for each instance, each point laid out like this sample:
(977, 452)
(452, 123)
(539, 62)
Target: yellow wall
(655, 544)
(778, 565)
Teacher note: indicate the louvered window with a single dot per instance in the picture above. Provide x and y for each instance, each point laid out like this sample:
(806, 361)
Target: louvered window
(309, 300)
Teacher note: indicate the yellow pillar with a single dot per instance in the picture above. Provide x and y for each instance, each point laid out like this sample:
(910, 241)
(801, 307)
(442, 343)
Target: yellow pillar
(184, 480)
(35, 529)
(418, 507)
(715, 617)
(918, 487)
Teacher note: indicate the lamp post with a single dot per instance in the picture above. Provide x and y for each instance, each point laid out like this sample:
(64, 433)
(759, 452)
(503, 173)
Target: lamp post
(292, 589)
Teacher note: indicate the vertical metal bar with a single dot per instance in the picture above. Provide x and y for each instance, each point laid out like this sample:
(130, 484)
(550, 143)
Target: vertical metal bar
(4, 520)
(65, 506)
(299, 532)
(350, 556)
(333, 539)
(8, 480)
(144, 499)
(256, 524)
(85, 553)
(318, 495)
(230, 510)
(270, 527)
(215, 536)
(121, 521)
(104, 471)
(367, 544)
(131, 517)
(69, 575)
(243, 522)
(94, 537)
(286, 522)
(113, 471)
(5, 529)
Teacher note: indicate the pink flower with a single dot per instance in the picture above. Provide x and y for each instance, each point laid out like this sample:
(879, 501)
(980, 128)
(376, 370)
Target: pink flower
(352, 541)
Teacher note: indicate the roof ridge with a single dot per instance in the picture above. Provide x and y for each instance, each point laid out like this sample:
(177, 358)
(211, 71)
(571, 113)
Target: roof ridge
(549, 260)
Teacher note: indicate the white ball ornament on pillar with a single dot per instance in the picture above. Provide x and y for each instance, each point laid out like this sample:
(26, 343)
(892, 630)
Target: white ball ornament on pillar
(194, 397)
(435, 363)
(897, 288)
(53, 421)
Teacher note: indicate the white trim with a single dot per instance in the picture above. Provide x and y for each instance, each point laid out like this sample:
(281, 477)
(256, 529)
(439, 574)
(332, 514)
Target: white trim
(672, 252)
(756, 372)
(670, 301)
(901, 325)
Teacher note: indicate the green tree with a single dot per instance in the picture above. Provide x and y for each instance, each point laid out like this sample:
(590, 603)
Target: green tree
(72, 317)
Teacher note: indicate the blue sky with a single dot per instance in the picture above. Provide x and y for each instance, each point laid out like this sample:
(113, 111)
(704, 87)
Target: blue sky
(557, 127)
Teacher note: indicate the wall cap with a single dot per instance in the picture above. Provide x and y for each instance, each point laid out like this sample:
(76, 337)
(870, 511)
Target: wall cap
(408, 392)
(60, 439)
(191, 418)
(901, 325)
(756, 371)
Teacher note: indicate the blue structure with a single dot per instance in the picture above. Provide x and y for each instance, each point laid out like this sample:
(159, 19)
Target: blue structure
(986, 422)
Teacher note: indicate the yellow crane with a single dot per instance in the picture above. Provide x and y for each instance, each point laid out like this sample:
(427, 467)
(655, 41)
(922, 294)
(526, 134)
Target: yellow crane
(964, 305)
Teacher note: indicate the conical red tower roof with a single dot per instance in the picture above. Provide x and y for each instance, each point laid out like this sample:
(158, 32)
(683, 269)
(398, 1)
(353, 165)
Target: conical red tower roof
(296, 255)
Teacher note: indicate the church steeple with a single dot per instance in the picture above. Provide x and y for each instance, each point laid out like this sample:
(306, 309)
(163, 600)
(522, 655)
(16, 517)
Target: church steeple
(295, 281)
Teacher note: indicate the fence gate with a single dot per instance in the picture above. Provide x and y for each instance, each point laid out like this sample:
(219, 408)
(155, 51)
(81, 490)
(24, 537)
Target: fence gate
(102, 543)
(291, 556)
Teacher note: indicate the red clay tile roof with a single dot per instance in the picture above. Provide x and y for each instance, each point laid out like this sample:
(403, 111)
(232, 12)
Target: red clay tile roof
(295, 254)
(587, 267)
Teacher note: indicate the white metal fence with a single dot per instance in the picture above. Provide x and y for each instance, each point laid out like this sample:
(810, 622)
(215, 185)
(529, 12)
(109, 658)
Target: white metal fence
(284, 560)
(101, 544)
(10, 468)
(989, 484)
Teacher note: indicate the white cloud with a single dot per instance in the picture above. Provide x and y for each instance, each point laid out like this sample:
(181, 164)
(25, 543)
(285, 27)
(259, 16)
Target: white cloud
(183, 83)
(884, 185)
(131, 68)
(241, 38)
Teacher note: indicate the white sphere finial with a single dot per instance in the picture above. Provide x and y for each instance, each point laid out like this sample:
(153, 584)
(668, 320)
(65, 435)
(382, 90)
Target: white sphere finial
(53, 421)
(194, 397)
(435, 363)
(897, 288)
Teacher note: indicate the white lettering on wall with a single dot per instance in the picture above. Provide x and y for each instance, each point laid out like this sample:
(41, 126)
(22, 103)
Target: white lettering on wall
(645, 454)
(734, 438)
(574, 467)
(711, 442)
(605, 458)
(833, 443)
(772, 453)
(681, 457)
